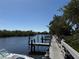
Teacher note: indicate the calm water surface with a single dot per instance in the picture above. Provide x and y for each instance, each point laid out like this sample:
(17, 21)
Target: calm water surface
(19, 44)
(15, 44)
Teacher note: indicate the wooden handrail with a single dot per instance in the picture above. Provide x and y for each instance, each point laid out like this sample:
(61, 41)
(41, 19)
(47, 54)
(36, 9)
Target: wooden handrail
(73, 52)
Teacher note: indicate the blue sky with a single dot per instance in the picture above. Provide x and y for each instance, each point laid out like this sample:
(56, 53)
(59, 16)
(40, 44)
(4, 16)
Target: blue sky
(28, 14)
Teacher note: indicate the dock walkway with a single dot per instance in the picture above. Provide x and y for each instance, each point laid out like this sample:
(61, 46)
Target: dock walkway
(54, 50)
(40, 44)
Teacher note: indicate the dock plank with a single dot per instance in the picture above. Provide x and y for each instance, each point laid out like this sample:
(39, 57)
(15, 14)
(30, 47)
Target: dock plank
(55, 51)
(40, 44)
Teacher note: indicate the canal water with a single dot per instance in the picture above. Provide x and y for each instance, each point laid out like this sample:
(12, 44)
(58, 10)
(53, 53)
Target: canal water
(20, 45)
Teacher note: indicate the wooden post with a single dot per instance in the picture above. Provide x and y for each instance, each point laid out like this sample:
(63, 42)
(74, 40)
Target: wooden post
(34, 45)
(31, 45)
(29, 40)
(42, 39)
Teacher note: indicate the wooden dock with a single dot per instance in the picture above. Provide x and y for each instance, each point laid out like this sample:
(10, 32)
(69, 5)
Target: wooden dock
(40, 44)
(34, 43)
(54, 50)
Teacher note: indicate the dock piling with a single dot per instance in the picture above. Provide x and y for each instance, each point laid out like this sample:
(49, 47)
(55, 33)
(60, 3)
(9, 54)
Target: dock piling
(31, 45)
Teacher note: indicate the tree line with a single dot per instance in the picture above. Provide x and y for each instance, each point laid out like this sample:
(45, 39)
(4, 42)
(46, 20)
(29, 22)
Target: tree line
(8, 33)
(67, 25)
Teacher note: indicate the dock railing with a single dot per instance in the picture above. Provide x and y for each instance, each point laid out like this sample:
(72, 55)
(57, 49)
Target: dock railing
(73, 52)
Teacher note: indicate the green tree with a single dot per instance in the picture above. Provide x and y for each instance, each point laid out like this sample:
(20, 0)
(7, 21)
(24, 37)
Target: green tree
(59, 26)
(71, 12)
